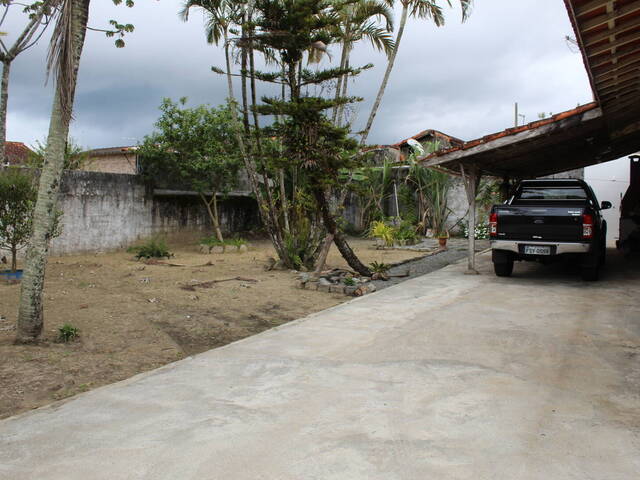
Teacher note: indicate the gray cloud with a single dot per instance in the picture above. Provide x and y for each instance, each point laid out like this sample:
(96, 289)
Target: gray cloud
(461, 79)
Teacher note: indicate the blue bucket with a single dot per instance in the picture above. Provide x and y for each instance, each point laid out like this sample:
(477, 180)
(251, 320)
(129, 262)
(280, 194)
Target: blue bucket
(9, 275)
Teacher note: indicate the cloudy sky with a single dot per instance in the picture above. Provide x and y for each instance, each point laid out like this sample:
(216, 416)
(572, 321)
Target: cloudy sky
(462, 79)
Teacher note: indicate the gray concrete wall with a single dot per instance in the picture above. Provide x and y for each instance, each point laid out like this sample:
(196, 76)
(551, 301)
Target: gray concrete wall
(108, 211)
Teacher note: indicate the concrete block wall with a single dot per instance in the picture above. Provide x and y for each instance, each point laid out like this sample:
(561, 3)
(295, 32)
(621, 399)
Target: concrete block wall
(108, 211)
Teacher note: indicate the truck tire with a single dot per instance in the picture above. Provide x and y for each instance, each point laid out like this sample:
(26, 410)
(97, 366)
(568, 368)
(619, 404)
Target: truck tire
(590, 273)
(590, 268)
(503, 269)
(502, 263)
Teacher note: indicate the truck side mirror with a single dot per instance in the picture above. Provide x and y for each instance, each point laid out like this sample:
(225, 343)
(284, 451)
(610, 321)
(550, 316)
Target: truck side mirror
(605, 205)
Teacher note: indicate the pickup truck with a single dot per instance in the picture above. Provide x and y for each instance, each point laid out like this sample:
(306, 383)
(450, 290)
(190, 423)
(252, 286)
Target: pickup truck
(546, 220)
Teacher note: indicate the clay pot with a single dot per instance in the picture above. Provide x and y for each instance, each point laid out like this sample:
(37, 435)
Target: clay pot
(442, 241)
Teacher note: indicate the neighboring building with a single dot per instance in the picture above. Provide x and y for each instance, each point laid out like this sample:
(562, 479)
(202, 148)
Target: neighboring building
(16, 153)
(426, 137)
(112, 160)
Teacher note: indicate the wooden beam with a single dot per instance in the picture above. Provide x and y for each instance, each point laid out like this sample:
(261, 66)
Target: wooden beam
(618, 43)
(605, 18)
(590, 7)
(617, 79)
(618, 86)
(596, 38)
(621, 93)
(617, 69)
(614, 60)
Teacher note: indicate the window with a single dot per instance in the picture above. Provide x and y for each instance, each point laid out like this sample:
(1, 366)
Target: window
(553, 193)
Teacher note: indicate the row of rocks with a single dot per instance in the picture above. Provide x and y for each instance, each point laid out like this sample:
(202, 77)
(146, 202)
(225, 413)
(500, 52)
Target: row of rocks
(223, 248)
(337, 281)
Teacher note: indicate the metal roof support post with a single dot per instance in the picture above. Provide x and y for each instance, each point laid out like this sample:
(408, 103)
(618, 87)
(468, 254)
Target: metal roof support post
(471, 179)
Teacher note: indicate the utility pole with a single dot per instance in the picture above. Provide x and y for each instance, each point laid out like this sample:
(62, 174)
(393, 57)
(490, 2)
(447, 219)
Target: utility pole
(515, 122)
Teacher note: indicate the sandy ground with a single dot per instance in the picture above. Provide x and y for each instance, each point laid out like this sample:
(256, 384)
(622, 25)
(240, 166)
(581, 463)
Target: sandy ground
(134, 317)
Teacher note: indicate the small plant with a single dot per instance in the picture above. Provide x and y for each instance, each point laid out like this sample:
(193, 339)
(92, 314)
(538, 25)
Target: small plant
(406, 232)
(237, 242)
(152, 248)
(384, 232)
(349, 282)
(481, 231)
(211, 241)
(381, 268)
(67, 333)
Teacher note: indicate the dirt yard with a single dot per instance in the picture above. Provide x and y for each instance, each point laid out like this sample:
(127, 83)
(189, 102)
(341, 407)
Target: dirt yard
(134, 317)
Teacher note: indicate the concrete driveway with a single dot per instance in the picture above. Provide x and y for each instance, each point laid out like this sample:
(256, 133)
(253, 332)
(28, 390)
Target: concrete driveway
(446, 376)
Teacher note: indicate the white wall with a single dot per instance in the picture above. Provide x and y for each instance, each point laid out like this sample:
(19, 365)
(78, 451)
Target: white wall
(610, 181)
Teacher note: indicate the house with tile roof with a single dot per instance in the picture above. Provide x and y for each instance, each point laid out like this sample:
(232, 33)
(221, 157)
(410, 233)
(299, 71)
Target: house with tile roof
(16, 153)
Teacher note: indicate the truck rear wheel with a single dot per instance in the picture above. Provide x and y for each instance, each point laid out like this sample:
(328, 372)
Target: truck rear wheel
(590, 273)
(503, 269)
(502, 263)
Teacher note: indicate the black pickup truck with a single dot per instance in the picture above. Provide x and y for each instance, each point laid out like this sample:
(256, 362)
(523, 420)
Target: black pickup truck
(546, 220)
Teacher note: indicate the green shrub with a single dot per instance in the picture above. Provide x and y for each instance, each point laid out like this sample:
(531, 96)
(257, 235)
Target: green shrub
(384, 232)
(67, 333)
(406, 231)
(349, 281)
(152, 248)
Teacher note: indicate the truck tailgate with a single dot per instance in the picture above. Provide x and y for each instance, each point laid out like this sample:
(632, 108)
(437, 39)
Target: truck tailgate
(561, 224)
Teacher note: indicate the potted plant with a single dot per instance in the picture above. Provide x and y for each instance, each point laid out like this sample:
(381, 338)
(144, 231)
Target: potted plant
(442, 238)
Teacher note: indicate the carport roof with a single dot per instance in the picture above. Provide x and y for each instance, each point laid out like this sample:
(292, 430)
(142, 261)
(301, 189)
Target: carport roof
(608, 33)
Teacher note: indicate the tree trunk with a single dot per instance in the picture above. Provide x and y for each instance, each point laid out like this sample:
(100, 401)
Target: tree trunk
(338, 238)
(387, 74)
(212, 210)
(14, 259)
(4, 96)
(341, 78)
(265, 212)
(322, 258)
(345, 86)
(30, 313)
(284, 201)
(243, 71)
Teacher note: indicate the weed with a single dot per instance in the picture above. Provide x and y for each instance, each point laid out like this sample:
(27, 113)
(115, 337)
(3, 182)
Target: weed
(349, 281)
(153, 248)
(67, 333)
(381, 268)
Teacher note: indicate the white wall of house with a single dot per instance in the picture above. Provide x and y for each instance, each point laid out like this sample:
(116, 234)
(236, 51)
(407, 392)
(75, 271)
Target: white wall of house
(610, 181)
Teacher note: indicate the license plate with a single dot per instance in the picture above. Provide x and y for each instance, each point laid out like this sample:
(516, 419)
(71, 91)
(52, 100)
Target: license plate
(537, 250)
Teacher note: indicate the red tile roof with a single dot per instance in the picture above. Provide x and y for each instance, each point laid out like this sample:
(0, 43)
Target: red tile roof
(16, 153)
(515, 130)
(424, 133)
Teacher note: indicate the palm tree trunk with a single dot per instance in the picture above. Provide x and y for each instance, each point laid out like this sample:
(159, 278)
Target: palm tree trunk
(338, 238)
(387, 74)
(266, 213)
(243, 70)
(341, 78)
(4, 96)
(30, 312)
(345, 86)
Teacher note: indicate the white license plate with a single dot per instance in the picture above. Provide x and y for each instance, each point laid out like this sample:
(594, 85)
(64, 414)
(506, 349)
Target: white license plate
(536, 250)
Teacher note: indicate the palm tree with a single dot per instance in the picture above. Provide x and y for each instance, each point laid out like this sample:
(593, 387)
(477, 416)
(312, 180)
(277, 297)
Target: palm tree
(221, 17)
(359, 21)
(64, 59)
(416, 8)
